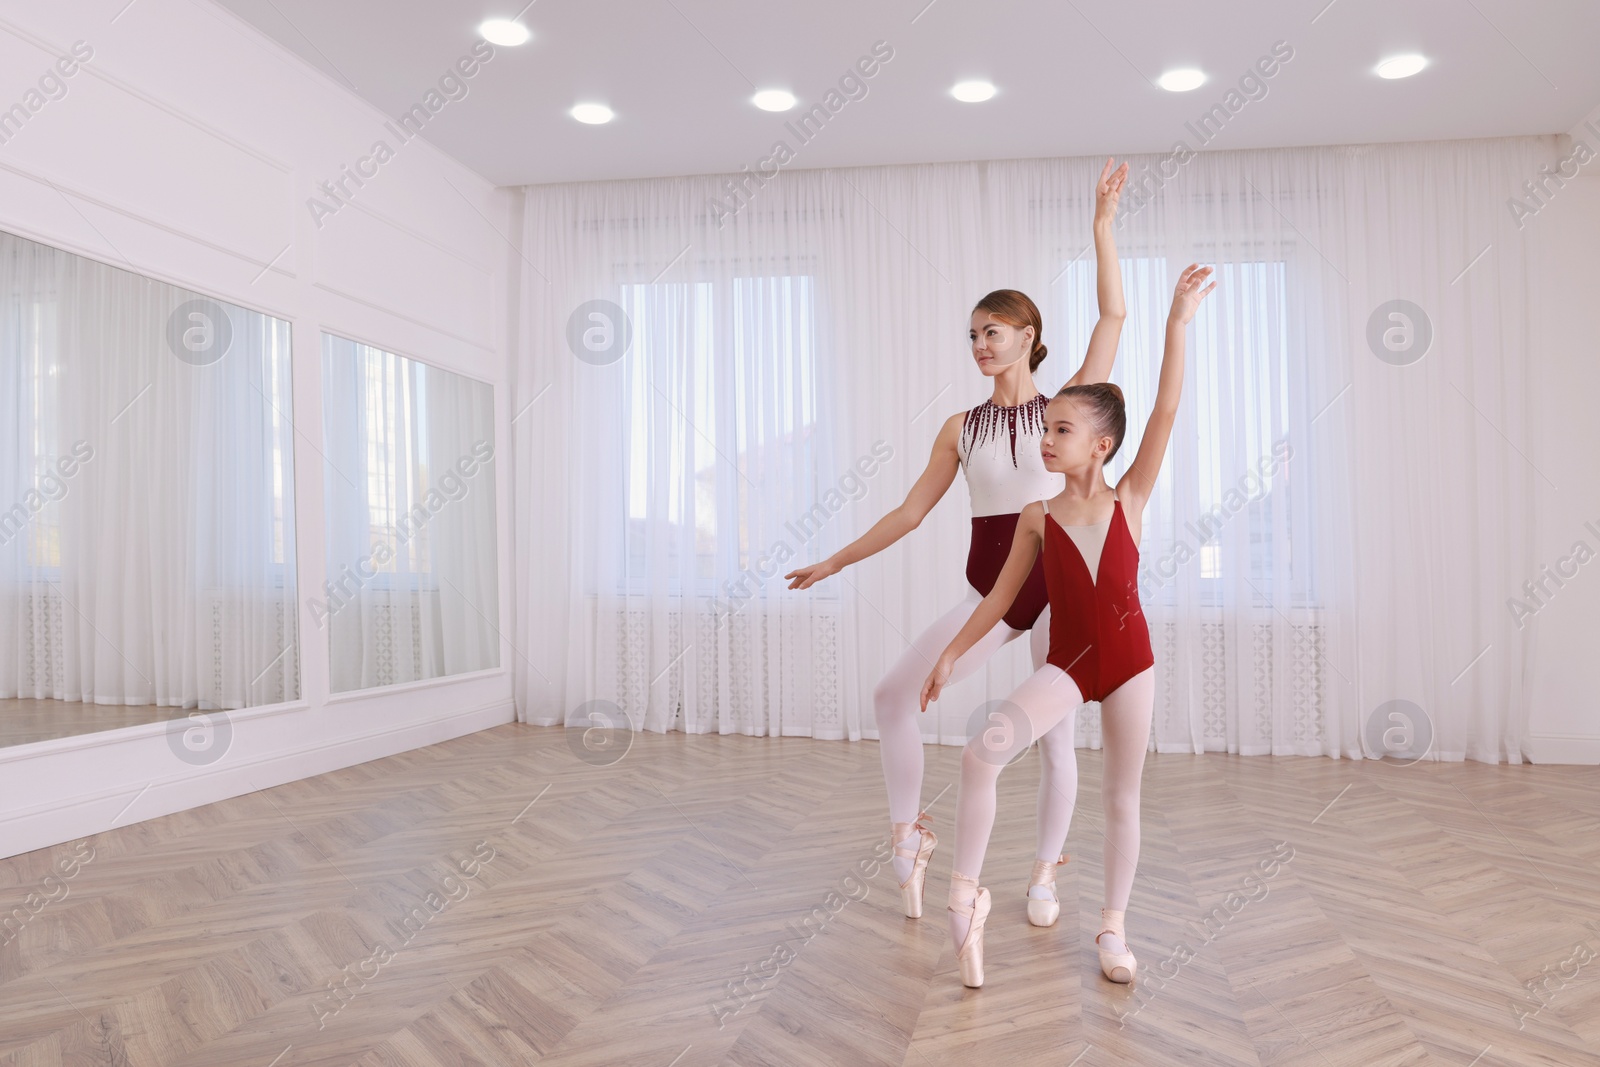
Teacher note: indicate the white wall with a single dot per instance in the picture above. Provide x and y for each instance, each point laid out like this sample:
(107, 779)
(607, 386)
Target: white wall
(1565, 714)
(185, 149)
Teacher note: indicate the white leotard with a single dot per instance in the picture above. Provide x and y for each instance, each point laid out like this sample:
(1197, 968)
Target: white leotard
(999, 452)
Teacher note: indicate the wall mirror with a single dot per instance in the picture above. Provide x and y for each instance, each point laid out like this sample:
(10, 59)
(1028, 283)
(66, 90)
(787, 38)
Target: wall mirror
(147, 564)
(409, 487)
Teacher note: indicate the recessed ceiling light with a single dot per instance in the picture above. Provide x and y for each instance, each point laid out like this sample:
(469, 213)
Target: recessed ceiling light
(972, 92)
(1181, 81)
(593, 114)
(504, 31)
(1401, 66)
(773, 100)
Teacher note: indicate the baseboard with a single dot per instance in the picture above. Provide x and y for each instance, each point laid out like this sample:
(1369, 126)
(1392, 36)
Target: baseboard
(91, 813)
(1563, 748)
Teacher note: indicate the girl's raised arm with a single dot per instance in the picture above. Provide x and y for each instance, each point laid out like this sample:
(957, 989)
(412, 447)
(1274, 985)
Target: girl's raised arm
(1108, 281)
(1140, 479)
(930, 487)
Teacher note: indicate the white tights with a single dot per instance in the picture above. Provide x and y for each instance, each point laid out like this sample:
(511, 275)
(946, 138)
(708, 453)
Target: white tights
(1044, 705)
(900, 731)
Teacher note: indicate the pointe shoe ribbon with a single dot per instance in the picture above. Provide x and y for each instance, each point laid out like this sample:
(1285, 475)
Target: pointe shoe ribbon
(911, 889)
(970, 954)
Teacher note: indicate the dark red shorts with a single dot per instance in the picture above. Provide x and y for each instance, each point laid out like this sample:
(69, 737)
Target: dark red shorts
(986, 557)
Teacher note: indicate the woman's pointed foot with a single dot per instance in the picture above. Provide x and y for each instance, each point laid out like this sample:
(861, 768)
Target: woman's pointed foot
(918, 854)
(970, 901)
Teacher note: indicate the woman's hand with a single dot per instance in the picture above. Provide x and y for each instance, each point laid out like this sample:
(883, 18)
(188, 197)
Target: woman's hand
(806, 577)
(1186, 298)
(936, 679)
(1108, 191)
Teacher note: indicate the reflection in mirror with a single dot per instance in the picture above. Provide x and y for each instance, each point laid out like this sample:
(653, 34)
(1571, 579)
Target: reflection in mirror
(409, 483)
(146, 502)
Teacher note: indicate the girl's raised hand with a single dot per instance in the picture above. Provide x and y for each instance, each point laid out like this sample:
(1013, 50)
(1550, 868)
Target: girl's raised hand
(1108, 191)
(1186, 299)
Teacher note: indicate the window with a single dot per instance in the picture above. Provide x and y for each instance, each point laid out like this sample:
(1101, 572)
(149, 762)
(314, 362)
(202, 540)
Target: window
(720, 399)
(1241, 373)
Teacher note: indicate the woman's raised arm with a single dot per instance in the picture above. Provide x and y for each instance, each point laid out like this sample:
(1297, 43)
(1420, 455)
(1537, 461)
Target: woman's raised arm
(1107, 333)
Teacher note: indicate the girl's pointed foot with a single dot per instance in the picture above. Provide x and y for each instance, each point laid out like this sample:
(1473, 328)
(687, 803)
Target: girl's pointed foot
(1117, 966)
(1044, 908)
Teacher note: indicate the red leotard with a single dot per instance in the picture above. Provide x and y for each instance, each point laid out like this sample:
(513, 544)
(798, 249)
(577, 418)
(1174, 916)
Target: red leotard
(1098, 633)
(986, 558)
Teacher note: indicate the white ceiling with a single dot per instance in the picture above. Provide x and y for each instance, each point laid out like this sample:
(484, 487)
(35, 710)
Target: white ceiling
(1075, 77)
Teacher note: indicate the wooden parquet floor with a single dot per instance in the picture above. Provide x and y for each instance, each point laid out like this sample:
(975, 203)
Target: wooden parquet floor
(498, 899)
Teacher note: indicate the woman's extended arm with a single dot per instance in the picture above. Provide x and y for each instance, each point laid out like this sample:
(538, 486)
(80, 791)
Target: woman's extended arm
(1102, 350)
(1140, 478)
(930, 487)
(1025, 545)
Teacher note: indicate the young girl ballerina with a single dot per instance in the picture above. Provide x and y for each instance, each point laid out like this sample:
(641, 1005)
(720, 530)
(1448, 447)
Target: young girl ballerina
(996, 444)
(1099, 642)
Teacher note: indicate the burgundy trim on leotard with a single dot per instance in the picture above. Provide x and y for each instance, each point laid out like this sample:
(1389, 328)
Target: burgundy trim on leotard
(1098, 633)
(991, 544)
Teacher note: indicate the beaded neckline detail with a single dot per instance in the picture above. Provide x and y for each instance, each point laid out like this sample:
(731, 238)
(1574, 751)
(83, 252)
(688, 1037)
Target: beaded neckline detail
(987, 419)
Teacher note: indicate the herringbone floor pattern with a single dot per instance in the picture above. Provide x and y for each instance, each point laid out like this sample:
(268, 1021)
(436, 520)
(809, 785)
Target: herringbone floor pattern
(500, 899)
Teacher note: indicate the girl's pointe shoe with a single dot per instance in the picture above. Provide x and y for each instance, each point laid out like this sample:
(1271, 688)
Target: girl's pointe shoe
(911, 888)
(1117, 966)
(1044, 912)
(970, 954)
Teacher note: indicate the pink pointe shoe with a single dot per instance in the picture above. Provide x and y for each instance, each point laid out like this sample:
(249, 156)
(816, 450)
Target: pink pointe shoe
(911, 888)
(1044, 912)
(970, 954)
(1117, 966)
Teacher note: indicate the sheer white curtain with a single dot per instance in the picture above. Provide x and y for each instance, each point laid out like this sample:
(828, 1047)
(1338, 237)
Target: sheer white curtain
(409, 496)
(146, 498)
(1334, 530)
